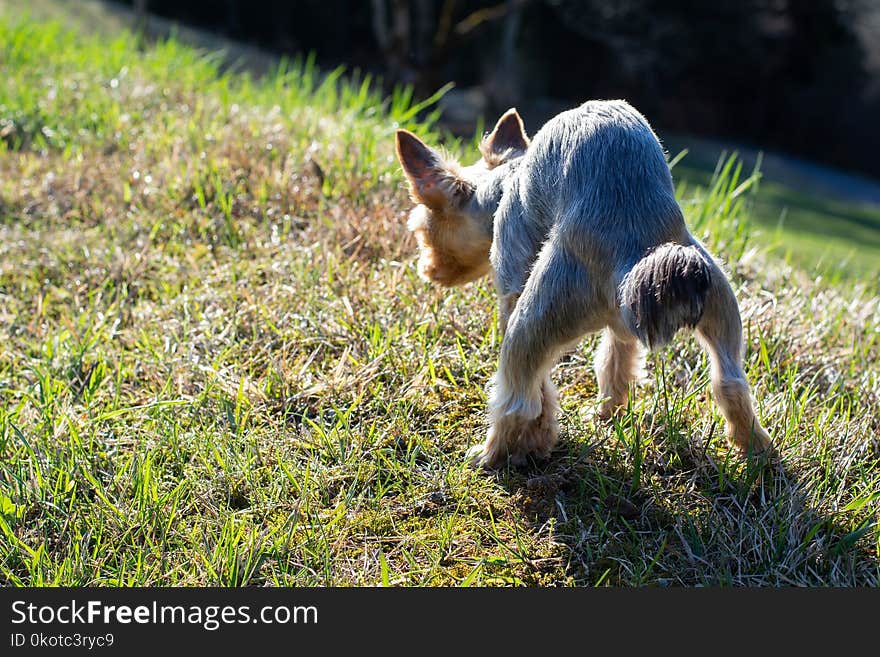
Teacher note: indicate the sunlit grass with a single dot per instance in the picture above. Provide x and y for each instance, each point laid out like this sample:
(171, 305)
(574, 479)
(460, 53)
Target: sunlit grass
(218, 366)
(828, 237)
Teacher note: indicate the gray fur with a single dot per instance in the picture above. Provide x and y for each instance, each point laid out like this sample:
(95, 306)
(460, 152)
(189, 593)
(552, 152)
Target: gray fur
(594, 183)
(590, 200)
(587, 236)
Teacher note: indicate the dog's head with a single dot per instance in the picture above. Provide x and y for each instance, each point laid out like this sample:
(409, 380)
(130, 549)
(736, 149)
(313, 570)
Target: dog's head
(453, 232)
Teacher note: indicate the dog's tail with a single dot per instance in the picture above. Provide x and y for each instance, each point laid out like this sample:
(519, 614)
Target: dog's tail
(664, 292)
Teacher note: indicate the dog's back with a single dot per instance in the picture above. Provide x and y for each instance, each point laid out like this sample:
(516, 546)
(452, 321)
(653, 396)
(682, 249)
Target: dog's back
(595, 184)
(597, 176)
(587, 236)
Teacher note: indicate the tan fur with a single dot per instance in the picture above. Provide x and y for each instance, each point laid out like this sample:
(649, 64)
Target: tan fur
(617, 364)
(743, 428)
(506, 307)
(556, 288)
(451, 251)
(453, 248)
(720, 331)
(434, 181)
(511, 437)
(506, 141)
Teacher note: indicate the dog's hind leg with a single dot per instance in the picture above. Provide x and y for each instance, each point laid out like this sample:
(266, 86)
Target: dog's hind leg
(720, 332)
(550, 314)
(617, 362)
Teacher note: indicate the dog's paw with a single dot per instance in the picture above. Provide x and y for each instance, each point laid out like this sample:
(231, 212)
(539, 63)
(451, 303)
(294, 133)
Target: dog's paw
(606, 411)
(477, 457)
(753, 442)
(512, 442)
(608, 408)
(488, 456)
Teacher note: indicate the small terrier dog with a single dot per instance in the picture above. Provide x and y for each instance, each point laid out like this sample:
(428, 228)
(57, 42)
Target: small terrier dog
(583, 233)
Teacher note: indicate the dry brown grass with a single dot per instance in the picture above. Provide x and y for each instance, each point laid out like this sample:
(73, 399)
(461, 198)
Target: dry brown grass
(218, 366)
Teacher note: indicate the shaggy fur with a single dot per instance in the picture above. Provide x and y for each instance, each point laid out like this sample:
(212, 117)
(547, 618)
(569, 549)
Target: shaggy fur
(618, 360)
(665, 292)
(583, 233)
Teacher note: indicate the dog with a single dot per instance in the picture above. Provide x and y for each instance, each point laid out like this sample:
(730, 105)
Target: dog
(582, 231)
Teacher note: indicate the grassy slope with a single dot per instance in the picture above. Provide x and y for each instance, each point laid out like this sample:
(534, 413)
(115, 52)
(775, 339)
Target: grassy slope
(217, 365)
(826, 236)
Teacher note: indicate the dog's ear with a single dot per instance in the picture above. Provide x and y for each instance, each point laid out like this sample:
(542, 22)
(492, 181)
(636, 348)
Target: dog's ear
(433, 181)
(507, 140)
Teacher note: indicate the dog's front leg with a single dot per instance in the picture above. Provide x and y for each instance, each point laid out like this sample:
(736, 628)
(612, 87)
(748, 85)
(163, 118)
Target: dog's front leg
(552, 312)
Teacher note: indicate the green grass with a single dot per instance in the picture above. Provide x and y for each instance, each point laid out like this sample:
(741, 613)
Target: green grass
(219, 367)
(829, 237)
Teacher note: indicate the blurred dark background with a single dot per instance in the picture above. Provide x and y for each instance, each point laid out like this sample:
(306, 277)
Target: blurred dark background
(801, 76)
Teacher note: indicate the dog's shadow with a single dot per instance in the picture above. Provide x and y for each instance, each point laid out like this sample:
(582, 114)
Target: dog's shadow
(679, 514)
